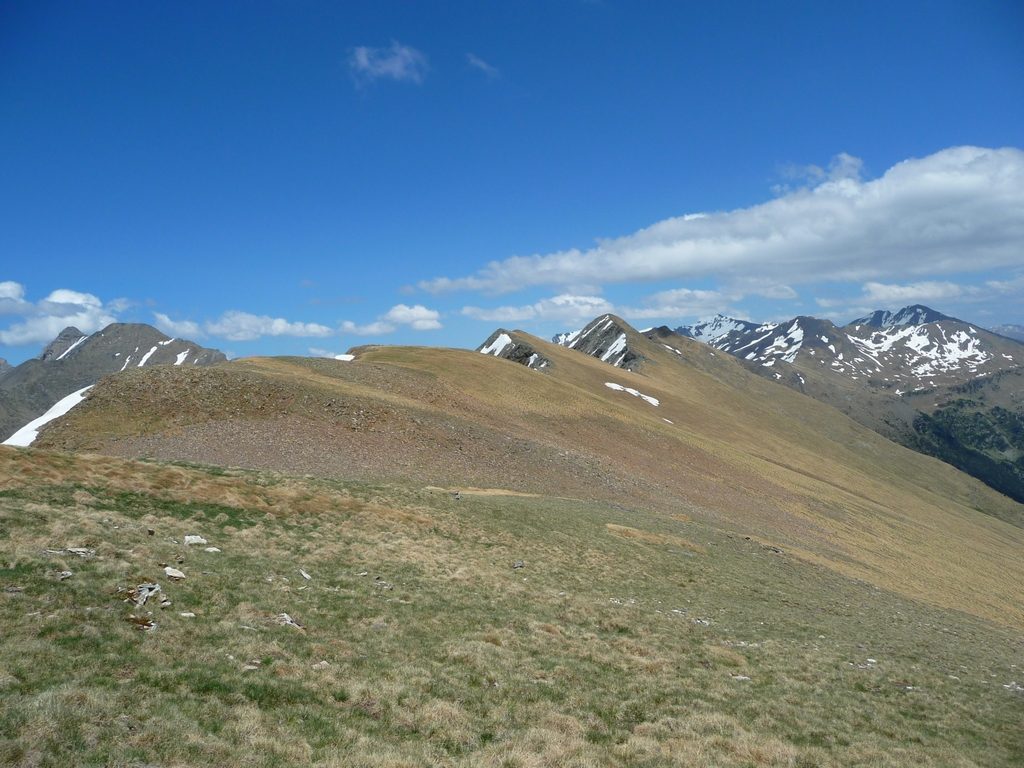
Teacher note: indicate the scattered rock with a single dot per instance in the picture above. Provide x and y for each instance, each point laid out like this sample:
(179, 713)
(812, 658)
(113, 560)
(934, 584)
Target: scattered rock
(143, 623)
(174, 573)
(64, 575)
(192, 538)
(518, 564)
(740, 678)
(287, 621)
(140, 594)
(321, 665)
(702, 622)
(363, 573)
(1014, 687)
(13, 589)
(187, 615)
(380, 583)
(211, 549)
(305, 575)
(77, 551)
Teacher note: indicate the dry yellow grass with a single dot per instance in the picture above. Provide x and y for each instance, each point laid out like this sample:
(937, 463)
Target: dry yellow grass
(741, 453)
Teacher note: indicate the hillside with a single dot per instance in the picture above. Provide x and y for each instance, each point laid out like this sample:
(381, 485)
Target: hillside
(902, 374)
(74, 360)
(329, 623)
(721, 445)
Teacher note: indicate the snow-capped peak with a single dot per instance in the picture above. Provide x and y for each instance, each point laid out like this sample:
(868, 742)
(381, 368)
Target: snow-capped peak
(711, 329)
(915, 314)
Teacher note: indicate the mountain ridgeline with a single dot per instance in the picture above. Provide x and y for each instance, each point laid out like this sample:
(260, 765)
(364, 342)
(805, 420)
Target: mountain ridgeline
(74, 360)
(936, 384)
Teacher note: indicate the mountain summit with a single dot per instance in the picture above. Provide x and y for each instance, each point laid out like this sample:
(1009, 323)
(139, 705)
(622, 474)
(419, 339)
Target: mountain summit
(74, 360)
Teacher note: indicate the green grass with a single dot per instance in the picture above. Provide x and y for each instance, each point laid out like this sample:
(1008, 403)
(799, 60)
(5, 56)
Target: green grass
(594, 654)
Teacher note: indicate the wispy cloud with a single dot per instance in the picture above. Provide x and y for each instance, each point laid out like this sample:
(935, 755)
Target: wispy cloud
(178, 328)
(236, 325)
(396, 62)
(43, 320)
(477, 63)
(959, 209)
(565, 307)
(417, 317)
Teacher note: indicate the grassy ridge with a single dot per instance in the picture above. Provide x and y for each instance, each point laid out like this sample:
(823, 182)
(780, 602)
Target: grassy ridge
(724, 446)
(623, 640)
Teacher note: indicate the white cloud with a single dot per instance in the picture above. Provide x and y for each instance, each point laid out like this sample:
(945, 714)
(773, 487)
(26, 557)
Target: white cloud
(177, 328)
(911, 293)
(45, 319)
(376, 328)
(396, 62)
(417, 317)
(959, 209)
(567, 307)
(12, 299)
(12, 290)
(679, 303)
(243, 326)
(477, 63)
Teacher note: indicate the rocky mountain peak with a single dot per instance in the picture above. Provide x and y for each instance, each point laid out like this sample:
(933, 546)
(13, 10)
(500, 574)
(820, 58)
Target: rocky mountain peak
(915, 314)
(510, 345)
(606, 338)
(61, 345)
(717, 327)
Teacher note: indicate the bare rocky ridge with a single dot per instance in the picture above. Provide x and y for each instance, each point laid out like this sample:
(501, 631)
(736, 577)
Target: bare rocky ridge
(74, 360)
(608, 338)
(512, 345)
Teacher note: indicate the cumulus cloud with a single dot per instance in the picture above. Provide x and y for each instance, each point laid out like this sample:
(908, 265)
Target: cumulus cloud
(678, 303)
(958, 209)
(570, 308)
(243, 326)
(566, 306)
(417, 317)
(43, 320)
(477, 63)
(396, 62)
(930, 290)
(892, 295)
(177, 328)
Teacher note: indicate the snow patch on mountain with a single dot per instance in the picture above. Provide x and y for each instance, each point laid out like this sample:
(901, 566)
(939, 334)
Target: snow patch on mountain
(713, 329)
(629, 390)
(66, 351)
(497, 346)
(27, 435)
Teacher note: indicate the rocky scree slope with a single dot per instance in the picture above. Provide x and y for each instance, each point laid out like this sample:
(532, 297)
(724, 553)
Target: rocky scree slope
(74, 360)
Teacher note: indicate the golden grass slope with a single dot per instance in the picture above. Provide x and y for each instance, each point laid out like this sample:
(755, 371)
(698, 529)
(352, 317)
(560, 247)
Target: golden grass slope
(723, 446)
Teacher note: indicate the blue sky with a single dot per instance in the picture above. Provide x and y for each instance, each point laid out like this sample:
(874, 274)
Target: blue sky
(303, 177)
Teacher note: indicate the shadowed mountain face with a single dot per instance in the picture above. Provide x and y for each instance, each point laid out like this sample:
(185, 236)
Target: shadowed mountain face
(74, 360)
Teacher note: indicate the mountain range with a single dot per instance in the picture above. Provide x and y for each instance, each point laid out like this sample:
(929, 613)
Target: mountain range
(934, 383)
(75, 360)
(638, 550)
